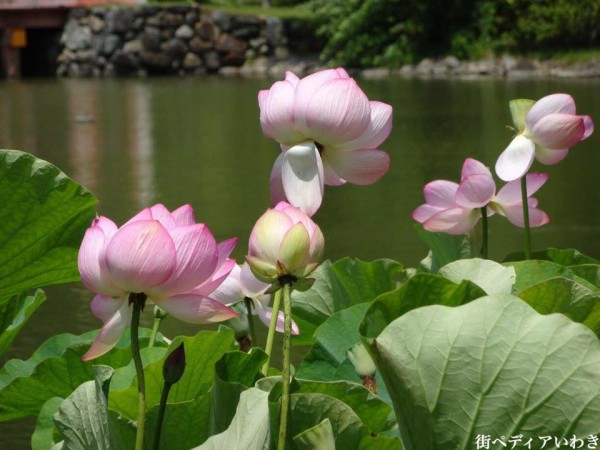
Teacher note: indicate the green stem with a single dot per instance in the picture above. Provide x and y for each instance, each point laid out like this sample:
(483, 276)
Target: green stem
(484, 230)
(285, 394)
(155, 325)
(159, 315)
(271, 334)
(138, 301)
(249, 306)
(526, 217)
(161, 414)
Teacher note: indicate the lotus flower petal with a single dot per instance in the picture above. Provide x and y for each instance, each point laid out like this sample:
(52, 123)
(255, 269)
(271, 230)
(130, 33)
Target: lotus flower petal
(230, 290)
(514, 214)
(196, 309)
(362, 166)
(510, 193)
(196, 259)
(265, 315)
(550, 156)
(516, 159)
(558, 131)
(378, 130)
(425, 212)
(440, 193)
(110, 333)
(476, 191)
(89, 261)
(277, 113)
(302, 177)
(103, 306)
(276, 183)
(453, 221)
(550, 104)
(251, 286)
(473, 167)
(140, 256)
(588, 124)
(267, 234)
(294, 247)
(337, 112)
(184, 215)
(330, 177)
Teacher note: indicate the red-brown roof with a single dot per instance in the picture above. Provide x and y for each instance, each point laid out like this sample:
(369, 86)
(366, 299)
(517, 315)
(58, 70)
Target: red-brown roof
(44, 4)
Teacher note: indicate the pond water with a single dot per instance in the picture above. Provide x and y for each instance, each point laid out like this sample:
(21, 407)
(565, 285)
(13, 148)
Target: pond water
(135, 142)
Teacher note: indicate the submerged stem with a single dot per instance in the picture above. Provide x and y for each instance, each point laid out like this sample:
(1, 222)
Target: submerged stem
(271, 334)
(526, 217)
(138, 301)
(484, 230)
(285, 394)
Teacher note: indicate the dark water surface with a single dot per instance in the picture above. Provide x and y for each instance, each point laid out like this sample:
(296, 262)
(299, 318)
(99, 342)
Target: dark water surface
(134, 143)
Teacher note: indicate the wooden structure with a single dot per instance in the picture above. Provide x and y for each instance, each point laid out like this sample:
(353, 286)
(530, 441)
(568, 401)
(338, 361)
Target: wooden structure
(19, 17)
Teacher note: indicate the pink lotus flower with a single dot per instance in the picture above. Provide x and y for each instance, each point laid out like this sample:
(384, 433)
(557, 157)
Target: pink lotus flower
(548, 128)
(456, 208)
(329, 132)
(241, 284)
(174, 261)
(284, 242)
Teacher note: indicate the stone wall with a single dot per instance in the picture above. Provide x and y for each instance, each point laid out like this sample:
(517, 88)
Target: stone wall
(176, 40)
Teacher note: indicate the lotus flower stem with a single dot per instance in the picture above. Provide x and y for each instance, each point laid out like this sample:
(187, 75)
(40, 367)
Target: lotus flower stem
(271, 334)
(161, 414)
(159, 315)
(138, 301)
(287, 336)
(484, 231)
(526, 217)
(248, 302)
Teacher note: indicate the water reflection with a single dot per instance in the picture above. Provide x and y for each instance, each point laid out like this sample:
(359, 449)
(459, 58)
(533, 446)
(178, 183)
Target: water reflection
(198, 141)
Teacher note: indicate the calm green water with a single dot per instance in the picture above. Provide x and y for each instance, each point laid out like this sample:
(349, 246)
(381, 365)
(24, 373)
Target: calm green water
(137, 142)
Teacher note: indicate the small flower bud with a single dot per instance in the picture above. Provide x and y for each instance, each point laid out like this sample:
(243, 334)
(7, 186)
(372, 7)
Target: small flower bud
(361, 360)
(174, 365)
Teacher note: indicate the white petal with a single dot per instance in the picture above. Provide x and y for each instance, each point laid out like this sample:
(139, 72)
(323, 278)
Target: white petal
(515, 161)
(302, 176)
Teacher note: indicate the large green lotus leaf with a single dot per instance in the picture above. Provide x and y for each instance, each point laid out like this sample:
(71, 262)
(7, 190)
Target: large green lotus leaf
(202, 351)
(340, 285)
(84, 421)
(56, 369)
(43, 436)
(373, 412)
(589, 272)
(532, 272)
(327, 359)
(15, 313)
(185, 424)
(420, 290)
(234, 373)
(444, 248)
(308, 409)
(43, 216)
(490, 276)
(319, 437)
(333, 338)
(491, 367)
(573, 299)
(566, 257)
(249, 429)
